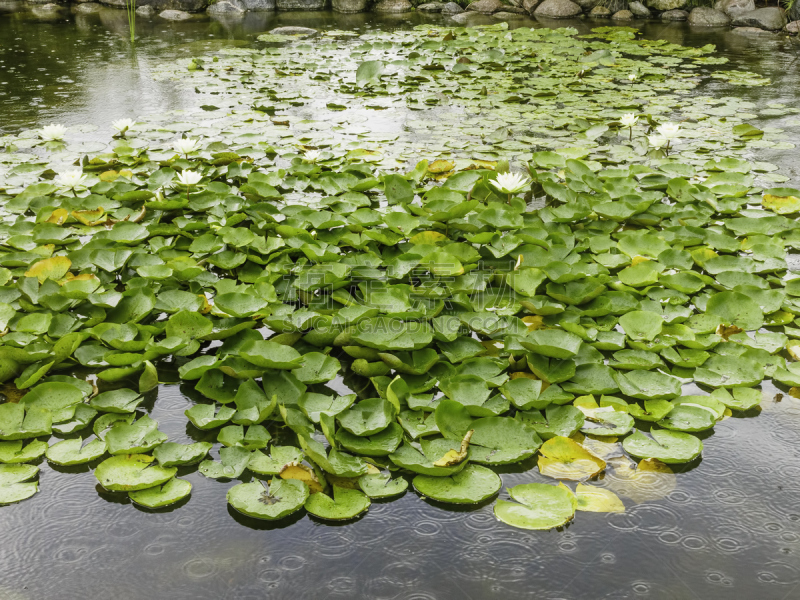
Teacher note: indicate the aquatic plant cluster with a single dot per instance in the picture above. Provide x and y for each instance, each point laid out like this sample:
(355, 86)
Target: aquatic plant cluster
(593, 313)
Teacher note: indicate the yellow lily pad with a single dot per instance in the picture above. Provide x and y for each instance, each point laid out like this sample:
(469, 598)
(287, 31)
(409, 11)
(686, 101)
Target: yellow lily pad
(441, 166)
(50, 268)
(564, 458)
(783, 205)
(596, 499)
(302, 473)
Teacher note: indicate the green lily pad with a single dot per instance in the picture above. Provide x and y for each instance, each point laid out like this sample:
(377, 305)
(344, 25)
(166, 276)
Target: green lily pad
(381, 485)
(345, 504)
(18, 422)
(687, 417)
(14, 453)
(502, 440)
(171, 492)
(367, 417)
(134, 438)
(273, 463)
(206, 416)
(58, 398)
(554, 421)
(472, 485)
(733, 308)
(271, 355)
(539, 506)
(648, 385)
(171, 454)
(314, 405)
(252, 404)
(17, 492)
(641, 325)
(233, 461)
(250, 438)
(382, 443)
(317, 368)
(553, 343)
(131, 472)
(279, 499)
(117, 401)
(667, 446)
(408, 457)
(729, 371)
(74, 452)
(739, 399)
(10, 474)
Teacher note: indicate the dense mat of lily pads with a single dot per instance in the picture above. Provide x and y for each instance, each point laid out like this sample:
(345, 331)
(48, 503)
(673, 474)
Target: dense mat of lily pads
(593, 313)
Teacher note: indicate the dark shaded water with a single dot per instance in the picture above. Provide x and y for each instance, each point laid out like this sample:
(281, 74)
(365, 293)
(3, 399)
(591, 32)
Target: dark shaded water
(731, 528)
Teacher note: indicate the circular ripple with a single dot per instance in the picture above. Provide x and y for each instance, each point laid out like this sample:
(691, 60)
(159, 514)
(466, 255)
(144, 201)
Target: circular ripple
(567, 546)
(270, 576)
(199, 568)
(292, 563)
(670, 537)
(679, 497)
(427, 528)
(730, 496)
(640, 588)
(341, 585)
(154, 549)
(70, 554)
(481, 521)
(693, 542)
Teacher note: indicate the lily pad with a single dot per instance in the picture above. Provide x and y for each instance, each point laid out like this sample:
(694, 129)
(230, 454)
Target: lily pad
(382, 485)
(117, 401)
(472, 485)
(171, 492)
(541, 506)
(171, 454)
(74, 452)
(345, 504)
(279, 499)
(666, 446)
(597, 499)
(564, 458)
(17, 492)
(131, 472)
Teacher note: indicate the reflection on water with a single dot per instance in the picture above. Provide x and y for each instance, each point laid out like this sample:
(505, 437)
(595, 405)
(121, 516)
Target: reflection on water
(731, 528)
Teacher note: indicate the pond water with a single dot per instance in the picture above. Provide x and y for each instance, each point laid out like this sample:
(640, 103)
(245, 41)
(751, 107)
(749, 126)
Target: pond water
(731, 527)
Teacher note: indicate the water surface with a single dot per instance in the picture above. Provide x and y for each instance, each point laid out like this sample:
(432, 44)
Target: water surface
(731, 528)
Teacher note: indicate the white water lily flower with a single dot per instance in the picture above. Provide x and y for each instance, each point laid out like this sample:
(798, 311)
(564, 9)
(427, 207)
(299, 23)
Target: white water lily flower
(312, 155)
(669, 130)
(632, 77)
(629, 120)
(185, 145)
(122, 125)
(509, 183)
(657, 141)
(71, 180)
(189, 178)
(52, 133)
